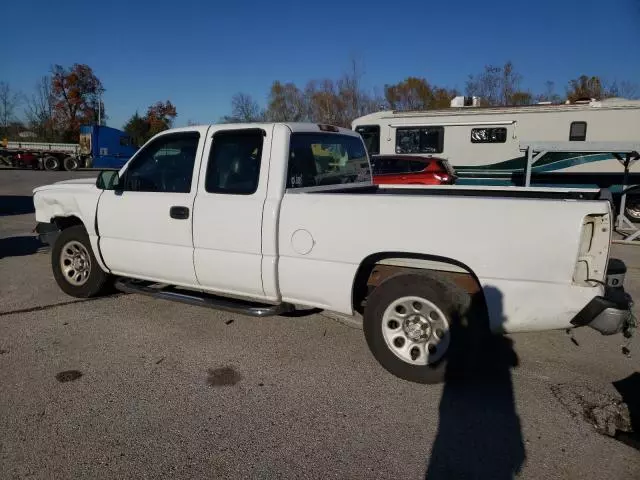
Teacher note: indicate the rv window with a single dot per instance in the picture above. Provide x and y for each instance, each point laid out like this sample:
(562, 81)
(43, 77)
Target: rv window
(371, 137)
(488, 135)
(578, 132)
(419, 139)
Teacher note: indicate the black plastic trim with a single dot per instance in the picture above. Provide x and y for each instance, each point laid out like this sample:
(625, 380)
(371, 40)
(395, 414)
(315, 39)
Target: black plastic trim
(613, 298)
(47, 232)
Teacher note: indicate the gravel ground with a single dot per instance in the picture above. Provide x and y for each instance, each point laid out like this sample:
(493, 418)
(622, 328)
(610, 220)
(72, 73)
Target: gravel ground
(132, 387)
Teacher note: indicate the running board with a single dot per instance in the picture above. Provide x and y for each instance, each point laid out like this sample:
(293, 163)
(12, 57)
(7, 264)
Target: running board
(202, 299)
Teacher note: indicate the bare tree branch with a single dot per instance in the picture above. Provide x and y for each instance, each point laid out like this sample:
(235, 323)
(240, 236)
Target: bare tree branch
(9, 101)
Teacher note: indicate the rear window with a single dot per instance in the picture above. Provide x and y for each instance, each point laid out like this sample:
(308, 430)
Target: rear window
(394, 165)
(318, 159)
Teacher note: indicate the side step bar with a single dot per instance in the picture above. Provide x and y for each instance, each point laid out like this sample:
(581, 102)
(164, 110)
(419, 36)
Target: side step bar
(202, 299)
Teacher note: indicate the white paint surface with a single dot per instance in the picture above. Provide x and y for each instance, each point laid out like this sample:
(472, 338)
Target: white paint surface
(305, 248)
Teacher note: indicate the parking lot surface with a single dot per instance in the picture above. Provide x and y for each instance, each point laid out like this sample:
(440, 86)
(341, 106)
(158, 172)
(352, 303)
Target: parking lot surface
(132, 387)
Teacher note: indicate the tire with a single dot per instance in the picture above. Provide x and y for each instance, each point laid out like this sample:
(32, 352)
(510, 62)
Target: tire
(82, 277)
(70, 164)
(443, 307)
(51, 163)
(632, 209)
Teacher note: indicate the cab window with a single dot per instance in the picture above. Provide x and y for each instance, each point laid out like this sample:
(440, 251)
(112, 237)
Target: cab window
(234, 161)
(165, 165)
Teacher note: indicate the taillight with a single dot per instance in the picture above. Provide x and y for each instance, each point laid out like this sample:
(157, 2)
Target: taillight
(441, 177)
(593, 250)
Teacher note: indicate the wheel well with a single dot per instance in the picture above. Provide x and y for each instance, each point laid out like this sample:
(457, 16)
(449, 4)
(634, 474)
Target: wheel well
(65, 222)
(377, 268)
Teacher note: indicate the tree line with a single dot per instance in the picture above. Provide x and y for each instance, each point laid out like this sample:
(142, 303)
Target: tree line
(61, 101)
(68, 97)
(338, 102)
(65, 99)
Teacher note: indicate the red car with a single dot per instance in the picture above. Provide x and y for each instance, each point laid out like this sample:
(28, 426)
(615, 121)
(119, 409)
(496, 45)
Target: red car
(411, 170)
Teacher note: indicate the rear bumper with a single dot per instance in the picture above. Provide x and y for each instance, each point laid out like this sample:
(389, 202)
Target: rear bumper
(608, 314)
(47, 232)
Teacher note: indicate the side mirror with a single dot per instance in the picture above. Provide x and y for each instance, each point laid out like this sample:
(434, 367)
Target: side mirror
(108, 180)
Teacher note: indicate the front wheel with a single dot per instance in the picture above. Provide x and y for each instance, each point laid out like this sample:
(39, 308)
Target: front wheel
(74, 265)
(411, 324)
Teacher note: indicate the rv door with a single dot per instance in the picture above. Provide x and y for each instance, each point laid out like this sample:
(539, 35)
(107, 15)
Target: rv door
(371, 136)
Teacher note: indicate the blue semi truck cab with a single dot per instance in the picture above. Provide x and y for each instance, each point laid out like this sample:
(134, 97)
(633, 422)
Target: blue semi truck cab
(105, 147)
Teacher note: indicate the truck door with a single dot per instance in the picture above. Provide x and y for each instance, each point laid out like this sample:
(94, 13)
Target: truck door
(227, 224)
(145, 226)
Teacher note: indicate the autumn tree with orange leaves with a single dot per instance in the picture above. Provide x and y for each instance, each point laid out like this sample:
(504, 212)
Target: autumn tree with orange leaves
(76, 93)
(159, 117)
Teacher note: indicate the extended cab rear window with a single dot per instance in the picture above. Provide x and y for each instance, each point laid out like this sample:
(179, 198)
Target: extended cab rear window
(319, 159)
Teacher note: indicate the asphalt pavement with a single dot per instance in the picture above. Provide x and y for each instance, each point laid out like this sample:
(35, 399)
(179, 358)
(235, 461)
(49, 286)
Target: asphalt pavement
(132, 387)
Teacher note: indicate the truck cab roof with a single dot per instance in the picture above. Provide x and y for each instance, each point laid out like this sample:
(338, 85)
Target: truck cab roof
(295, 127)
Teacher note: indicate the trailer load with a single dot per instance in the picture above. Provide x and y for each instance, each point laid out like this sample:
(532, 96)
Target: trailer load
(98, 147)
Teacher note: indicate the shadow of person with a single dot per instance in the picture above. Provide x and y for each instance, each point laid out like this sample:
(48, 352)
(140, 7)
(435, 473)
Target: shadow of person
(479, 433)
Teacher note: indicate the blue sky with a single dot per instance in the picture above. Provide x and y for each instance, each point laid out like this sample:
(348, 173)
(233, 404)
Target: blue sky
(198, 54)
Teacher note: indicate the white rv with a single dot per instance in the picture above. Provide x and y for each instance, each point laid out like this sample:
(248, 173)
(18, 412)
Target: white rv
(488, 138)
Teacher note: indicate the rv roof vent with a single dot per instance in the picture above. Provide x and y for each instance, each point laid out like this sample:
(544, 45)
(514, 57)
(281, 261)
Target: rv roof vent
(461, 101)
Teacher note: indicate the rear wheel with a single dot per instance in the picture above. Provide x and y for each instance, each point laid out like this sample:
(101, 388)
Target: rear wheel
(411, 324)
(74, 265)
(71, 164)
(51, 163)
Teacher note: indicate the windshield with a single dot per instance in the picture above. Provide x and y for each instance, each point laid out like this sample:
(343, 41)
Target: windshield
(317, 159)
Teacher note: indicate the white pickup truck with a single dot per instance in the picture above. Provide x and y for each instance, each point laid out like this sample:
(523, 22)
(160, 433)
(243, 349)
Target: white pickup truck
(259, 218)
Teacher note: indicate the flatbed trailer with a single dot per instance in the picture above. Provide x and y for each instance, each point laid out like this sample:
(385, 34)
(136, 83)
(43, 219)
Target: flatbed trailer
(99, 147)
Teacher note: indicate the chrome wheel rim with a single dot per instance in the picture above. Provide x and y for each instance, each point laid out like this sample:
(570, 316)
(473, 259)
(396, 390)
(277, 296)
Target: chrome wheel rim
(75, 263)
(416, 330)
(633, 210)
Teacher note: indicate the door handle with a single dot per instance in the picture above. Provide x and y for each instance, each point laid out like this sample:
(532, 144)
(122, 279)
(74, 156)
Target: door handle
(179, 213)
